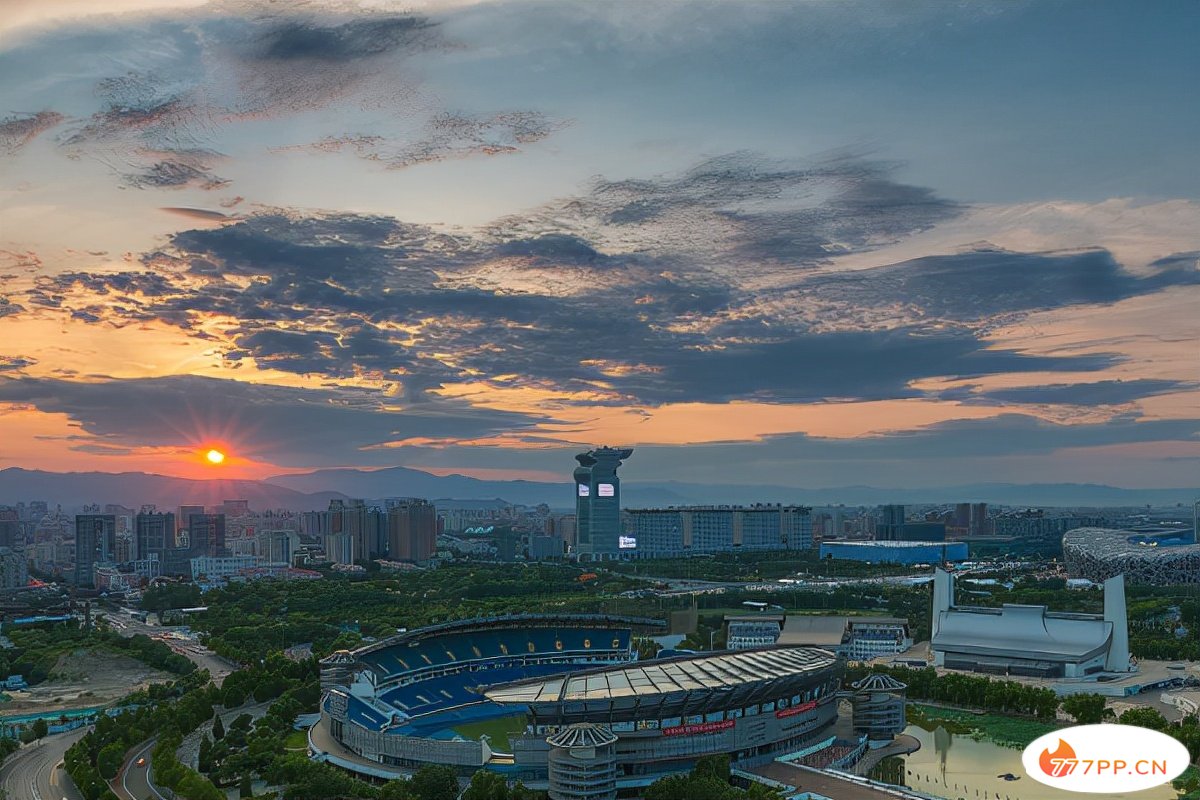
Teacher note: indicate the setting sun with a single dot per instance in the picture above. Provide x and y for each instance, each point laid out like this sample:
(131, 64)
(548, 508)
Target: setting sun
(214, 456)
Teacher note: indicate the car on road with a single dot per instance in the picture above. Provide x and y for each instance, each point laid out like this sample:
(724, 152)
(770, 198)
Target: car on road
(141, 762)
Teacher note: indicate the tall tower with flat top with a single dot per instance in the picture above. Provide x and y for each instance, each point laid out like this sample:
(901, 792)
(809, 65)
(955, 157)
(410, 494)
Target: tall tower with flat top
(598, 503)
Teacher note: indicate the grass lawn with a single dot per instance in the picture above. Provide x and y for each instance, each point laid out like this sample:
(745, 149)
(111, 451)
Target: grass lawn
(497, 729)
(1007, 731)
(296, 740)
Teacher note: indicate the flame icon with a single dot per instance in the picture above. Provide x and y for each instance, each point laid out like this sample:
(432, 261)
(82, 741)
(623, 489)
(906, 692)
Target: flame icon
(1061, 762)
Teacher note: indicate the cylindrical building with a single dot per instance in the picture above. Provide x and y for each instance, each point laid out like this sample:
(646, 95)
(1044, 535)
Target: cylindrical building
(878, 703)
(583, 763)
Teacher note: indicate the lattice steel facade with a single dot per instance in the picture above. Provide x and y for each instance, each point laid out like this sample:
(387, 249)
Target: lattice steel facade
(1161, 559)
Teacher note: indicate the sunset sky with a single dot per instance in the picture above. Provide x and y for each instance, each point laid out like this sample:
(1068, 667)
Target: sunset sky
(797, 243)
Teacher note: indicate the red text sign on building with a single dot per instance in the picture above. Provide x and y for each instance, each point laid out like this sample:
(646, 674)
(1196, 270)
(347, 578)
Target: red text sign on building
(703, 727)
(794, 710)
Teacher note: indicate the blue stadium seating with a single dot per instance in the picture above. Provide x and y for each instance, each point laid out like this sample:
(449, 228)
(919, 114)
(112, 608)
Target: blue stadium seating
(403, 658)
(432, 705)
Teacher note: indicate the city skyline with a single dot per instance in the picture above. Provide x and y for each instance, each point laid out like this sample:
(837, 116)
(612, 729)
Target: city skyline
(804, 244)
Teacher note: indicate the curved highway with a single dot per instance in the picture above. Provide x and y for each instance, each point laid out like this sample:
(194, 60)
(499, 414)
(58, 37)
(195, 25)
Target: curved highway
(133, 781)
(35, 771)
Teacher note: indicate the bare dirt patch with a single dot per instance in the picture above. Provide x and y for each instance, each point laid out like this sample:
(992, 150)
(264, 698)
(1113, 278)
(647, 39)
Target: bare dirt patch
(84, 678)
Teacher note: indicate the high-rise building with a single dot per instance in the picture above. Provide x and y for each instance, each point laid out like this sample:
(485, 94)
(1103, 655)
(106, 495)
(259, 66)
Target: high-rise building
(923, 532)
(890, 524)
(962, 516)
(95, 543)
(657, 533)
(562, 526)
(837, 523)
(364, 523)
(545, 546)
(339, 548)
(979, 520)
(206, 535)
(278, 547)
(184, 515)
(412, 530)
(10, 528)
(235, 508)
(153, 534)
(14, 570)
(598, 502)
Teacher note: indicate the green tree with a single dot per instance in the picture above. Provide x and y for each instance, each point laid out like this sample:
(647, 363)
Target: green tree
(398, 790)
(1144, 717)
(434, 782)
(218, 729)
(485, 786)
(716, 767)
(1087, 709)
(40, 729)
(646, 647)
(108, 761)
(205, 757)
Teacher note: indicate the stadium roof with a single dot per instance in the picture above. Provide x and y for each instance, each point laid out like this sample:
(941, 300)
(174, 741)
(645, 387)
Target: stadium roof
(879, 682)
(1110, 543)
(584, 734)
(707, 674)
(1016, 631)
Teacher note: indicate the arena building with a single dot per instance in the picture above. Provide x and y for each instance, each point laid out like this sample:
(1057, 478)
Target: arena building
(1158, 557)
(1029, 640)
(518, 695)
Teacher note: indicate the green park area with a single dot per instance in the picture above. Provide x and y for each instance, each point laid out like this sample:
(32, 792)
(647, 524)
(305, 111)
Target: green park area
(1003, 729)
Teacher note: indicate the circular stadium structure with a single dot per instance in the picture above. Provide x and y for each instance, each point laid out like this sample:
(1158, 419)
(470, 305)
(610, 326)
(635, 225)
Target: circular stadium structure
(517, 694)
(1157, 557)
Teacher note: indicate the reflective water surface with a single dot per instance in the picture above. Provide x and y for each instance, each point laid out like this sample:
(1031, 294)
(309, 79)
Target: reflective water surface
(953, 766)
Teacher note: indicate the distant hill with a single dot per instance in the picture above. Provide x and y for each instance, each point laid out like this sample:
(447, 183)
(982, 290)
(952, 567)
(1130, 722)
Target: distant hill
(314, 490)
(406, 482)
(402, 481)
(1067, 495)
(72, 490)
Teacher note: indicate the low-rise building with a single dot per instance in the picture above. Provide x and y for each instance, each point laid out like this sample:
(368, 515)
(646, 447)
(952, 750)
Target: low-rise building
(221, 568)
(854, 638)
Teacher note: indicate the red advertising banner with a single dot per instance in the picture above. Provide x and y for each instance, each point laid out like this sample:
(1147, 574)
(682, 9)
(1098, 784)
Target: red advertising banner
(703, 727)
(794, 710)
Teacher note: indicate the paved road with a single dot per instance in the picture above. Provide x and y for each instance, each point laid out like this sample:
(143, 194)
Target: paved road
(133, 782)
(33, 772)
(198, 654)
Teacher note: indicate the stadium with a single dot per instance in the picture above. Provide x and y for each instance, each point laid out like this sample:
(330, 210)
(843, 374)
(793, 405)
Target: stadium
(539, 697)
(1156, 557)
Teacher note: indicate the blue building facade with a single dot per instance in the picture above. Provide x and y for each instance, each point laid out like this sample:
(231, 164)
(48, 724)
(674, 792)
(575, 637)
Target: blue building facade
(896, 552)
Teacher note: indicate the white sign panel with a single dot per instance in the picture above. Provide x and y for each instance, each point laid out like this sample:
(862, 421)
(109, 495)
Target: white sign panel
(1105, 759)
